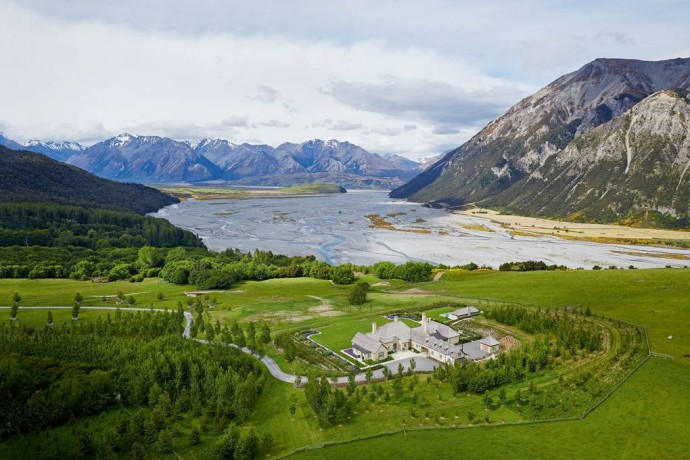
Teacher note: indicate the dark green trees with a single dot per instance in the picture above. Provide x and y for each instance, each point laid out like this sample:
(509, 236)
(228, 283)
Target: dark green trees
(342, 274)
(358, 295)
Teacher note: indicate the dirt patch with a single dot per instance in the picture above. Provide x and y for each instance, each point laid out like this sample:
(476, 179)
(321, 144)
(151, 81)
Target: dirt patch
(325, 310)
(198, 293)
(297, 319)
(415, 291)
(508, 342)
(382, 283)
(661, 255)
(280, 315)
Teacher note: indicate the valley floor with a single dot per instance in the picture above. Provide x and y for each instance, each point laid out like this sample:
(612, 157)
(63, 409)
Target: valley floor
(574, 230)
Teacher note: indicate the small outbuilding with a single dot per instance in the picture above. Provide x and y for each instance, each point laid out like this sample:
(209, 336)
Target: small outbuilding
(463, 313)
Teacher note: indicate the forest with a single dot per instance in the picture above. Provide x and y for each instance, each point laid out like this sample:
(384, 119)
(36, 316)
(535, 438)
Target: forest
(138, 362)
(27, 177)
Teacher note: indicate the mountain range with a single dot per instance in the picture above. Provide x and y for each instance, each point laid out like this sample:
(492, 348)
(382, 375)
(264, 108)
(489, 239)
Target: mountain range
(607, 142)
(153, 159)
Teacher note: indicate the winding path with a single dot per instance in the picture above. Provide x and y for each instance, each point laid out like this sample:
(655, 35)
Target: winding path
(422, 363)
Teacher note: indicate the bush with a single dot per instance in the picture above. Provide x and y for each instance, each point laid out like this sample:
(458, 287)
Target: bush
(342, 274)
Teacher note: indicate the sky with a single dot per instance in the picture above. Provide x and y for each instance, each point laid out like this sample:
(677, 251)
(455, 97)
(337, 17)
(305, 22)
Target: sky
(415, 78)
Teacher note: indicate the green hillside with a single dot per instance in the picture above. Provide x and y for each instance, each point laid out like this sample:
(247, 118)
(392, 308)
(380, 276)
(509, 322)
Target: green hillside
(31, 177)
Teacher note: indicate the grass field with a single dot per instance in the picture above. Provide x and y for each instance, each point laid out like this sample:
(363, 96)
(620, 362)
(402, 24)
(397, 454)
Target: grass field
(645, 418)
(215, 193)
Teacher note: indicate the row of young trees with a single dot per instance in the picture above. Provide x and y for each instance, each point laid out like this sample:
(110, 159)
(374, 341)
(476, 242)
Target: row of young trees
(572, 330)
(330, 405)
(560, 337)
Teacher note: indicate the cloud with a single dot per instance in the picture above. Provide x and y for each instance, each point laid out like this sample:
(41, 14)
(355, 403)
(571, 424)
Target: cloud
(338, 125)
(342, 125)
(618, 38)
(266, 94)
(386, 130)
(181, 67)
(274, 124)
(180, 129)
(448, 108)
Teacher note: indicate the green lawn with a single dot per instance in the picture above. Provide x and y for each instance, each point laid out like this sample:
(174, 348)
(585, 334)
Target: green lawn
(338, 335)
(51, 292)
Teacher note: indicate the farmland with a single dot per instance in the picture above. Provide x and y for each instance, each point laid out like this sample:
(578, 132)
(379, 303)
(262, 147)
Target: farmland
(654, 299)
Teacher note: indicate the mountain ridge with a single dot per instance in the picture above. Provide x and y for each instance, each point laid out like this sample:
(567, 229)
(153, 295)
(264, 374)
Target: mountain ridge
(156, 159)
(492, 168)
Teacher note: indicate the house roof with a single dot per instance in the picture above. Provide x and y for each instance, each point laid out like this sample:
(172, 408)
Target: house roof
(438, 330)
(466, 311)
(472, 350)
(490, 341)
(396, 330)
(366, 343)
(433, 343)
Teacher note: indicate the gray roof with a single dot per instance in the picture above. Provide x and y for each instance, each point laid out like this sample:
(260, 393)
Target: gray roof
(396, 330)
(366, 343)
(472, 350)
(466, 311)
(490, 341)
(438, 329)
(433, 343)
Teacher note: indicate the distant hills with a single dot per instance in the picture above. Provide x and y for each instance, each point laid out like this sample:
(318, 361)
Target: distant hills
(608, 142)
(32, 177)
(153, 159)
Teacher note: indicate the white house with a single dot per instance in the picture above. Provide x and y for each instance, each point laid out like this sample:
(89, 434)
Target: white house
(434, 339)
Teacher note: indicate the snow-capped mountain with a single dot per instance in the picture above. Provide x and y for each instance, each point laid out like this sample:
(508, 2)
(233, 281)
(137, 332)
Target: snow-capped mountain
(156, 159)
(134, 158)
(58, 150)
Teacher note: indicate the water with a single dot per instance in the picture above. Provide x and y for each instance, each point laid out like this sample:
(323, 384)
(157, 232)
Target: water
(334, 228)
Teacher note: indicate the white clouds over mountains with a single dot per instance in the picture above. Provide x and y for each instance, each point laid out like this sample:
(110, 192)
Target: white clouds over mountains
(407, 77)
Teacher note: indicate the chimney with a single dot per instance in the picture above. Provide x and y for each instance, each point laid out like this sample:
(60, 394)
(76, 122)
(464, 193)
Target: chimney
(373, 328)
(424, 322)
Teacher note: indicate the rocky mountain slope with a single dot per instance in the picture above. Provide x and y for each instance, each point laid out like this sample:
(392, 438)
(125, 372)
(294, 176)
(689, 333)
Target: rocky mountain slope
(536, 140)
(145, 159)
(154, 159)
(633, 164)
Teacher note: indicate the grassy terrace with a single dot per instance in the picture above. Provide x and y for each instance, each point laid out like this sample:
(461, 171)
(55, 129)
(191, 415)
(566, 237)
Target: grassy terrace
(646, 417)
(215, 193)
